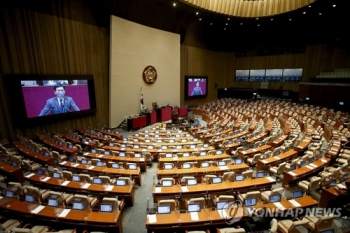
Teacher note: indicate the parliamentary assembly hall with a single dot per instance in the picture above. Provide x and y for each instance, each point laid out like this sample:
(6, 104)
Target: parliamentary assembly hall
(179, 116)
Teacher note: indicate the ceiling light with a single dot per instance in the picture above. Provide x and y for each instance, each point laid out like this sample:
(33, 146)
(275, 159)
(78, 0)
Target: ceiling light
(304, 12)
(197, 13)
(320, 13)
(241, 23)
(174, 4)
(309, 5)
(224, 28)
(211, 23)
(290, 19)
(228, 18)
(258, 25)
(257, 18)
(200, 19)
(334, 5)
(271, 19)
(226, 23)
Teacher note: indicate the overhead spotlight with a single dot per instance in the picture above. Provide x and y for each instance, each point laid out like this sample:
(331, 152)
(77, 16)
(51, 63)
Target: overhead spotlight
(197, 13)
(272, 19)
(224, 28)
(309, 5)
(320, 13)
(241, 23)
(257, 18)
(304, 12)
(258, 25)
(211, 23)
(228, 18)
(290, 19)
(200, 19)
(226, 23)
(334, 5)
(174, 4)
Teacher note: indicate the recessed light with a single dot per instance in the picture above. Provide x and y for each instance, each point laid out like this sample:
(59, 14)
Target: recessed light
(226, 23)
(174, 4)
(211, 23)
(290, 19)
(257, 18)
(309, 5)
(258, 25)
(320, 13)
(334, 5)
(224, 28)
(304, 12)
(197, 13)
(241, 23)
(228, 18)
(271, 19)
(200, 19)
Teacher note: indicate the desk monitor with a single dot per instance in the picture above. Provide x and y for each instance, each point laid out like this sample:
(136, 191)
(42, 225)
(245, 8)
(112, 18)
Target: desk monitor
(186, 165)
(77, 205)
(159, 140)
(171, 140)
(167, 183)
(345, 176)
(70, 146)
(177, 135)
(168, 155)
(191, 181)
(84, 161)
(183, 140)
(186, 154)
(238, 161)
(122, 145)
(10, 193)
(307, 98)
(260, 174)
(115, 165)
(277, 152)
(76, 178)
(107, 152)
(137, 155)
(250, 202)
(121, 154)
(222, 163)
(192, 146)
(163, 209)
(195, 139)
(56, 175)
(52, 202)
(90, 140)
(194, 208)
(217, 180)
(104, 207)
(125, 139)
(341, 103)
(29, 198)
(293, 167)
(14, 164)
(147, 140)
(121, 182)
(275, 198)
(46, 154)
(178, 147)
(71, 159)
(205, 164)
(136, 146)
(97, 180)
(150, 147)
(37, 150)
(168, 166)
(164, 147)
(203, 153)
(111, 144)
(333, 183)
(132, 166)
(297, 194)
(303, 163)
(40, 171)
(220, 205)
(239, 177)
(93, 151)
(61, 143)
(99, 164)
(5, 160)
(206, 145)
(312, 159)
(328, 231)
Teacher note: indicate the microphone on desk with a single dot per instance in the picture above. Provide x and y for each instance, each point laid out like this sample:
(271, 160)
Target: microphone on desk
(67, 109)
(49, 110)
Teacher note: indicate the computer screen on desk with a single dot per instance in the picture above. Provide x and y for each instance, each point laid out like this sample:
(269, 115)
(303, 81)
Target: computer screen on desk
(277, 152)
(312, 159)
(221, 163)
(52, 202)
(136, 146)
(238, 161)
(167, 183)
(148, 140)
(121, 154)
(56, 175)
(328, 231)
(84, 161)
(191, 181)
(40, 171)
(46, 154)
(163, 209)
(297, 194)
(168, 166)
(159, 140)
(239, 177)
(275, 198)
(168, 155)
(97, 180)
(218, 152)
(203, 153)
(77, 205)
(345, 176)
(260, 174)
(122, 145)
(333, 183)
(137, 155)
(303, 163)
(217, 180)
(221, 205)
(132, 166)
(93, 151)
(29, 198)
(106, 207)
(164, 147)
(10, 194)
(111, 144)
(121, 182)
(205, 164)
(193, 208)
(150, 147)
(186, 165)
(293, 167)
(186, 154)
(115, 165)
(99, 164)
(192, 146)
(250, 202)
(76, 178)
(107, 152)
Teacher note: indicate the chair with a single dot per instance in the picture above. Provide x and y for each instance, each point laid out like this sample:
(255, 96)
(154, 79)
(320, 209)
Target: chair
(253, 161)
(273, 225)
(190, 164)
(106, 180)
(148, 157)
(85, 178)
(9, 225)
(170, 202)
(185, 178)
(229, 198)
(117, 205)
(265, 196)
(17, 187)
(277, 171)
(89, 202)
(290, 226)
(230, 230)
(320, 223)
(35, 229)
(198, 200)
(38, 194)
(207, 231)
(252, 194)
(67, 175)
(236, 152)
(208, 179)
(100, 151)
(228, 176)
(247, 174)
(58, 157)
(30, 165)
(311, 185)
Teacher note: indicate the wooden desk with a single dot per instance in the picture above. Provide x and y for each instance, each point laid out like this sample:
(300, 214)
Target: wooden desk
(331, 195)
(200, 172)
(212, 189)
(194, 158)
(99, 136)
(250, 152)
(71, 138)
(212, 219)
(13, 173)
(273, 161)
(38, 157)
(82, 220)
(303, 145)
(56, 146)
(123, 192)
(304, 172)
(140, 161)
(109, 132)
(111, 172)
(279, 141)
(163, 143)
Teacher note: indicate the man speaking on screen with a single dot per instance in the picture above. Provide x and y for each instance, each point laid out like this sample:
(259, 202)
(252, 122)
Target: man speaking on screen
(60, 103)
(197, 90)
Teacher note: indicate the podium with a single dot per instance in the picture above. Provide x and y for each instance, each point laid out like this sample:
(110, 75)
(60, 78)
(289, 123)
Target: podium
(136, 122)
(183, 112)
(164, 114)
(151, 117)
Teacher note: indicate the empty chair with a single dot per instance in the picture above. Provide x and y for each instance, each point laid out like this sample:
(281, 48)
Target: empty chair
(88, 202)
(198, 200)
(185, 178)
(170, 202)
(230, 230)
(277, 171)
(312, 184)
(100, 151)
(247, 174)
(29, 229)
(208, 178)
(67, 175)
(253, 161)
(228, 176)
(320, 223)
(106, 180)
(148, 157)
(9, 225)
(85, 178)
(249, 195)
(290, 226)
(229, 198)
(30, 165)
(116, 204)
(236, 152)
(58, 157)
(265, 196)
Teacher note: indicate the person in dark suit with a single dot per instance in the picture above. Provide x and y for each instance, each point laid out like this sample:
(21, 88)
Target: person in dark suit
(60, 103)
(197, 90)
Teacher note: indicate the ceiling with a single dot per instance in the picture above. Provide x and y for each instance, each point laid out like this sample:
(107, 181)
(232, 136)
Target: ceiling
(323, 21)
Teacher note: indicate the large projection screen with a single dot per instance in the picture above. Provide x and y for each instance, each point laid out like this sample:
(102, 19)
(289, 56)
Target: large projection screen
(132, 48)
